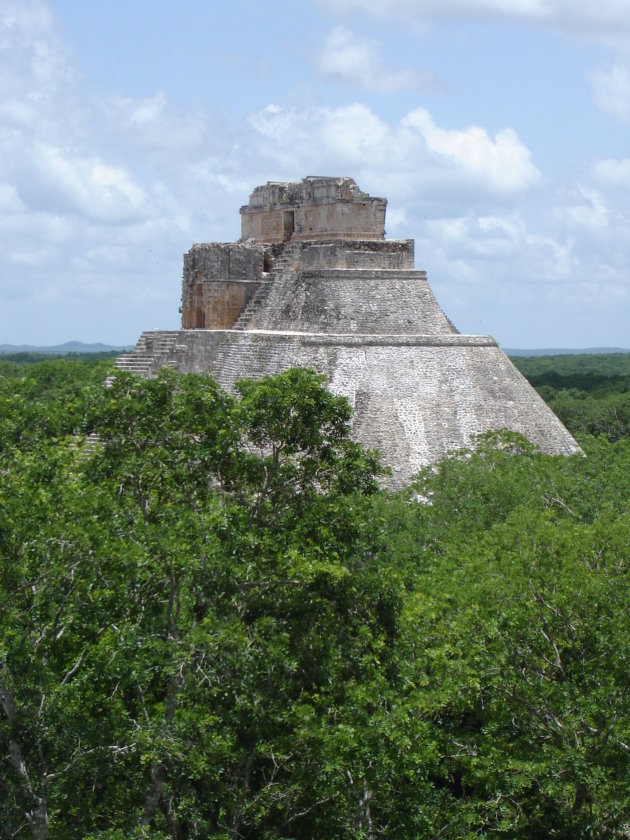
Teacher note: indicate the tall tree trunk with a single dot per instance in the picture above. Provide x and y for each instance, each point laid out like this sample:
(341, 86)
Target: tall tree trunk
(158, 773)
(37, 817)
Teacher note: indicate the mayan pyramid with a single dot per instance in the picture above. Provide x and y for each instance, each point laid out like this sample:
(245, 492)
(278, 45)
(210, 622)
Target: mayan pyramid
(313, 282)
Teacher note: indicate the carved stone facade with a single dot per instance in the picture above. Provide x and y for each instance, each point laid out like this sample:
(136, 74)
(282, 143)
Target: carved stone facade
(312, 209)
(314, 283)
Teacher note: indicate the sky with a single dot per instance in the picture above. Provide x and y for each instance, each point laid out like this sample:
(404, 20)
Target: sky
(498, 130)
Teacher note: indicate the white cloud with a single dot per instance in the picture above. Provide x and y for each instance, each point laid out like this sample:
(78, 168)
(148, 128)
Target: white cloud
(613, 173)
(481, 241)
(143, 111)
(87, 186)
(607, 17)
(91, 194)
(612, 91)
(153, 123)
(10, 201)
(414, 154)
(33, 239)
(35, 62)
(589, 211)
(359, 61)
(504, 163)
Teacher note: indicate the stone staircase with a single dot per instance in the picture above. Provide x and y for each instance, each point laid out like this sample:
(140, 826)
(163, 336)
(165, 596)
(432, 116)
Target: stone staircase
(92, 441)
(155, 349)
(288, 261)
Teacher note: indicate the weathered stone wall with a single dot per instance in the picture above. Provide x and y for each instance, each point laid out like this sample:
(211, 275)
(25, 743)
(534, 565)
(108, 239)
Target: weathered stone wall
(312, 189)
(414, 397)
(348, 301)
(219, 280)
(392, 253)
(225, 261)
(217, 304)
(350, 220)
(312, 209)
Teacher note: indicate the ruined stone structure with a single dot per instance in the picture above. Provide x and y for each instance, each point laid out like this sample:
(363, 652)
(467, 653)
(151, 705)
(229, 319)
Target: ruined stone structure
(314, 283)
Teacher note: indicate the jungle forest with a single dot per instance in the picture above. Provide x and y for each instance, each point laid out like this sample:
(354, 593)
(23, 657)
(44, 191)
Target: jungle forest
(215, 623)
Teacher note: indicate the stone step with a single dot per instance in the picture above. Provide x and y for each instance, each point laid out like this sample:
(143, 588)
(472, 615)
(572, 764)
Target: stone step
(255, 303)
(166, 340)
(141, 371)
(154, 337)
(136, 362)
(133, 357)
(133, 365)
(285, 263)
(153, 350)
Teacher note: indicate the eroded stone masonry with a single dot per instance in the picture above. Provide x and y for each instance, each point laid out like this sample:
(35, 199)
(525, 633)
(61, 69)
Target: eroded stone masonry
(313, 282)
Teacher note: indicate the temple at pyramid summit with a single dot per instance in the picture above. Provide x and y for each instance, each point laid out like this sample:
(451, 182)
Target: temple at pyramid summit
(312, 282)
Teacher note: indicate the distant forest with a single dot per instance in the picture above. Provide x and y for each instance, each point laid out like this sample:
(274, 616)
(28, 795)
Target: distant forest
(589, 393)
(23, 357)
(214, 623)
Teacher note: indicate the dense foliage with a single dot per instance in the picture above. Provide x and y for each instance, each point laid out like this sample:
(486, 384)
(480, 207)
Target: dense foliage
(589, 393)
(213, 623)
(21, 358)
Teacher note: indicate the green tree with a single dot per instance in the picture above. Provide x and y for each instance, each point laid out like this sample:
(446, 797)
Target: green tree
(213, 624)
(196, 606)
(514, 644)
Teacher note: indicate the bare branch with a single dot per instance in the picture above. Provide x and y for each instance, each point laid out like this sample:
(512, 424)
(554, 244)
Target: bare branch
(75, 667)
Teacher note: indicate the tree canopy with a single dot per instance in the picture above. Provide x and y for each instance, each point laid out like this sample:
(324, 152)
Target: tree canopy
(213, 623)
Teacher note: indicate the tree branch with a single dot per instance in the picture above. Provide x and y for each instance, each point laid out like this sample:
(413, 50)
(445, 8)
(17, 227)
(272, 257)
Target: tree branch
(37, 817)
(75, 667)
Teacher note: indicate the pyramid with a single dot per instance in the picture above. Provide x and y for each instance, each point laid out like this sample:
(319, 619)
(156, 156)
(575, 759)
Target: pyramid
(314, 283)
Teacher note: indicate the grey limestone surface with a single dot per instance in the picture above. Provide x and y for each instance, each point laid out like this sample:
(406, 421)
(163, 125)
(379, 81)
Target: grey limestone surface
(353, 300)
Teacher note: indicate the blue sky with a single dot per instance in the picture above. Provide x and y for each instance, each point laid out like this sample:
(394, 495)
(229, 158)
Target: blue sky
(497, 129)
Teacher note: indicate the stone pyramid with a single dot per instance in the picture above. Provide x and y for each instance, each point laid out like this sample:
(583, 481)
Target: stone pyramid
(314, 283)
